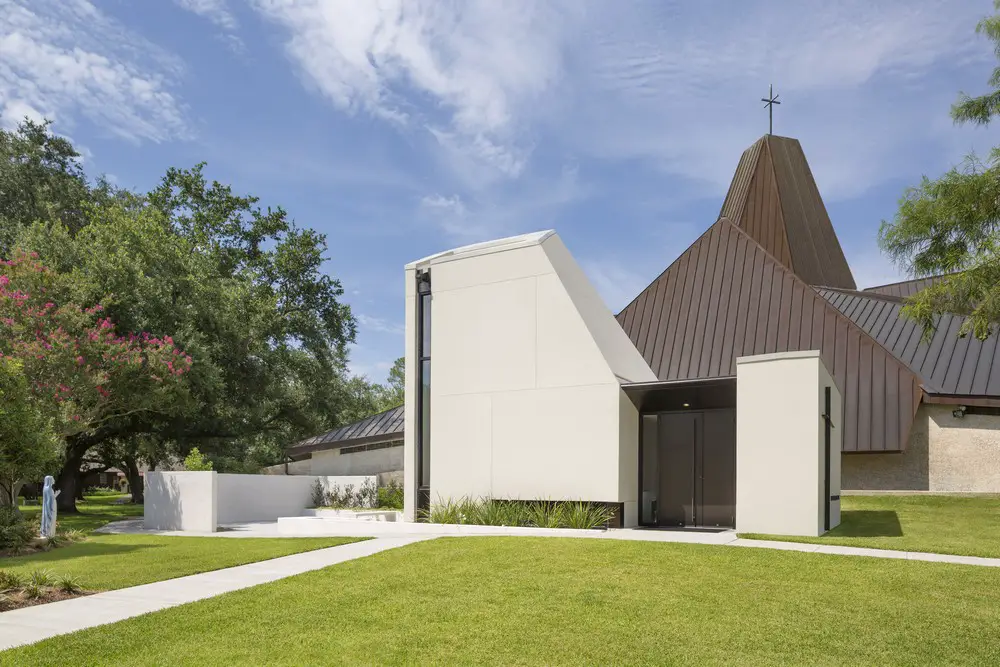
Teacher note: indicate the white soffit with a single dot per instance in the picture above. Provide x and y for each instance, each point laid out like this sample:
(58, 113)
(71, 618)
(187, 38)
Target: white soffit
(484, 248)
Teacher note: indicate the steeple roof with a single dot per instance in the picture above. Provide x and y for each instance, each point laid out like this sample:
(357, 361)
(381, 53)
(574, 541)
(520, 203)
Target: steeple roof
(774, 198)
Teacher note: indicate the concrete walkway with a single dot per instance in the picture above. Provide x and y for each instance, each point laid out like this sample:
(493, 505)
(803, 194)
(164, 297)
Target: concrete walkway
(386, 530)
(33, 624)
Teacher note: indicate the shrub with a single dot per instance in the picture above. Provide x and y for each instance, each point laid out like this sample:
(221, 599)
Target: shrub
(40, 578)
(390, 496)
(196, 461)
(101, 491)
(368, 493)
(68, 584)
(501, 512)
(15, 532)
(10, 580)
(73, 535)
(587, 515)
(32, 591)
(318, 494)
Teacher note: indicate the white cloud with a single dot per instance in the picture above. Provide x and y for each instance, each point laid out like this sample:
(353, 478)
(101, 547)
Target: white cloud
(480, 65)
(379, 324)
(216, 11)
(676, 84)
(64, 59)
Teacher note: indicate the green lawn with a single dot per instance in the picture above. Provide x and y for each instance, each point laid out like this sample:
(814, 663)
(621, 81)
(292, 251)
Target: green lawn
(505, 600)
(105, 562)
(95, 511)
(963, 525)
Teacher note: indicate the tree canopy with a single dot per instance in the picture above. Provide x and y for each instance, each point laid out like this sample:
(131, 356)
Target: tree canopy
(950, 226)
(238, 289)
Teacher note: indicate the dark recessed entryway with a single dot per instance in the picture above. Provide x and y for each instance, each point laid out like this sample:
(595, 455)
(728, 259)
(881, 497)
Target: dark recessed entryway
(697, 462)
(687, 453)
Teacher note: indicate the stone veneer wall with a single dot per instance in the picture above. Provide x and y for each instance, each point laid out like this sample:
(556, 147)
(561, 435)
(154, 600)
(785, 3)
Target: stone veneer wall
(943, 454)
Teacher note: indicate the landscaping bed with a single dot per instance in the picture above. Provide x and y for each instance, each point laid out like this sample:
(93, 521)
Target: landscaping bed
(40, 587)
(947, 524)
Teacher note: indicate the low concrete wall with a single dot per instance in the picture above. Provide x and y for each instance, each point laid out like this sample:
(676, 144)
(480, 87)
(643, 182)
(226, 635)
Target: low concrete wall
(944, 454)
(200, 501)
(180, 501)
(371, 462)
(303, 467)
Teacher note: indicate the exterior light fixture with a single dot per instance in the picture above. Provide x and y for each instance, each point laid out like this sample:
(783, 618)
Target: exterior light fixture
(959, 413)
(686, 405)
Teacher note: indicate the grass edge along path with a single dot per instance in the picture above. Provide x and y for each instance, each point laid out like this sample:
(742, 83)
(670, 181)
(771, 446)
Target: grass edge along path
(111, 562)
(960, 525)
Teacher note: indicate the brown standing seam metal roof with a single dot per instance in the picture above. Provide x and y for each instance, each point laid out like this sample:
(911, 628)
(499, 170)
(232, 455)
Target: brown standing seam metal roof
(727, 297)
(905, 288)
(946, 365)
(382, 427)
(774, 198)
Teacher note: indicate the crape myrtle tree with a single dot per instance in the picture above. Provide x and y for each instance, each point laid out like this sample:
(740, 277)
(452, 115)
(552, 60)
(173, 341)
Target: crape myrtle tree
(951, 225)
(239, 288)
(82, 375)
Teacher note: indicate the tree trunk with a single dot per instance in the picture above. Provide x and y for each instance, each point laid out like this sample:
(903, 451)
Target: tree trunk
(68, 481)
(134, 480)
(79, 485)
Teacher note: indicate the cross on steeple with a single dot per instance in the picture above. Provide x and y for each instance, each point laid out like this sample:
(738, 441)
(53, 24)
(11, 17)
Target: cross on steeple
(769, 102)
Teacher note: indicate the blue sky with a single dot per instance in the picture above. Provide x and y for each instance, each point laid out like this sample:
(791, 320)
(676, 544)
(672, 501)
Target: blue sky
(405, 128)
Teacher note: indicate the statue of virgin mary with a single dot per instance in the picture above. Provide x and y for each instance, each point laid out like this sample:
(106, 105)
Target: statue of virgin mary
(49, 507)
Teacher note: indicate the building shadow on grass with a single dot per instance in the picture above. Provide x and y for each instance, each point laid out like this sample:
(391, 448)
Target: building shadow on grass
(79, 550)
(868, 523)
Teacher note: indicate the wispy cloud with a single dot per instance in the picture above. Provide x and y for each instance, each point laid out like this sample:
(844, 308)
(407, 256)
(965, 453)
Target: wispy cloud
(219, 14)
(380, 325)
(480, 64)
(64, 59)
(675, 84)
(216, 11)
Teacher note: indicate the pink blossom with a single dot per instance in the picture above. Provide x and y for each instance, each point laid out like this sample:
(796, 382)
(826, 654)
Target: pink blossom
(4, 280)
(79, 361)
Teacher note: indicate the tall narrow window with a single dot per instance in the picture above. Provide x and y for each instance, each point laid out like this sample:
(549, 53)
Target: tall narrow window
(424, 395)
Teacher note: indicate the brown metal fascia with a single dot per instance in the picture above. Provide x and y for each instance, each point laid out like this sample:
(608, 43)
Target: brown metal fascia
(976, 401)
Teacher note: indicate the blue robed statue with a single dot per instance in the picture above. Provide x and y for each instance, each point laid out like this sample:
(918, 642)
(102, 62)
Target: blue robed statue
(49, 507)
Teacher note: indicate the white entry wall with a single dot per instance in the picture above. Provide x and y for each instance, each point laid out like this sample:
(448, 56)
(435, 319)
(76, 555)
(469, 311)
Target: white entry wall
(780, 444)
(526, 367)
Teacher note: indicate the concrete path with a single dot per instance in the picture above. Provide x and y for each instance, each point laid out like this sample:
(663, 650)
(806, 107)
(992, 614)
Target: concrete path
(385, 530)
(33, 624)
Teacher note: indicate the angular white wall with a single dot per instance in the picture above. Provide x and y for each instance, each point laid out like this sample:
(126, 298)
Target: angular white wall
(526, 368)
(201, 501)
(780, 444)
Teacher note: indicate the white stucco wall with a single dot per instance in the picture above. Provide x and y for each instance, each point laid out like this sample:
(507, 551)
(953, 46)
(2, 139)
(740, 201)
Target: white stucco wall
(526, 368)
(244, 498)
(201, 501)
(370, 462)
(180, 501)
(780, 471)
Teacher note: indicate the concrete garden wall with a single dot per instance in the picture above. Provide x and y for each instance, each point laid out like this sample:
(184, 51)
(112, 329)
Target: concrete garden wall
(201, 501)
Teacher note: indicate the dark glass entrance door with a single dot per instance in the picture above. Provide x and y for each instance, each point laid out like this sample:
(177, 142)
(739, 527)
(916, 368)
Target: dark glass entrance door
(697, 460)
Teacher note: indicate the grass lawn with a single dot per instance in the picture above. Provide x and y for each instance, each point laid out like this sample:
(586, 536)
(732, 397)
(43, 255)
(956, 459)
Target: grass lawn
(95, 511)
(506, 600)
(105, 562)
(963, 525)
